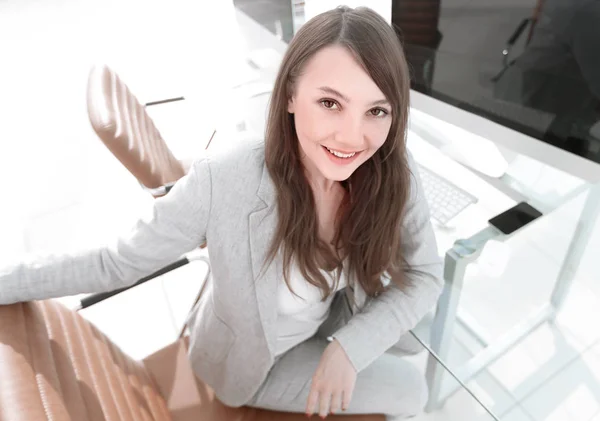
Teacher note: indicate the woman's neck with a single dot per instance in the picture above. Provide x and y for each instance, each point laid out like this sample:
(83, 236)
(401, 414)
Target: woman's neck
(319, 184)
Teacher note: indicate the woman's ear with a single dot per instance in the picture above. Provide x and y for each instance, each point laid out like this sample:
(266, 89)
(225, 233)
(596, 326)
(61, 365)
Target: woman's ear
(291, 105)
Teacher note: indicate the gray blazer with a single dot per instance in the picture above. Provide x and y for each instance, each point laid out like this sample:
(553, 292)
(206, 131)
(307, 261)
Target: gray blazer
(229, 201)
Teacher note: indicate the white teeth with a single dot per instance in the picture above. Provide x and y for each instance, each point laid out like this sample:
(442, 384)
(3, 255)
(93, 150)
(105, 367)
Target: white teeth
(339, 154)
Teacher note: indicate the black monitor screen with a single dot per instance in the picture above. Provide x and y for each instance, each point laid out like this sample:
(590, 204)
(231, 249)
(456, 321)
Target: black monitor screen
(531, 65)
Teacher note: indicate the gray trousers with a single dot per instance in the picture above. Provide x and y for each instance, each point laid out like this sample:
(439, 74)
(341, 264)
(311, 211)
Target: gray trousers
(391, 385)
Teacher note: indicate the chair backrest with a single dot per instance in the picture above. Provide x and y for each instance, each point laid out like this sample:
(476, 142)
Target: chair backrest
(127, 130)
(54, 365)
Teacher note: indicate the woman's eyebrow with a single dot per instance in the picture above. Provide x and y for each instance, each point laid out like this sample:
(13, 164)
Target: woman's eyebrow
(381, 102)
(332, 91)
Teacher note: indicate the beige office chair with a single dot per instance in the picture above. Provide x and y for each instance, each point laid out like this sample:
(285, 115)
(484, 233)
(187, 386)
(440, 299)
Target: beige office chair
(55, 365)
(124, 126)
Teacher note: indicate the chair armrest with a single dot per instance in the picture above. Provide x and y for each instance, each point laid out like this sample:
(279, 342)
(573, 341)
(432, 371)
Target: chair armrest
(164, 101)
(90, 300)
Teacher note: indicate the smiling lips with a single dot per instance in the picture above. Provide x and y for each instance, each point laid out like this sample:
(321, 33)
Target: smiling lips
(341, 154)
(341, 157)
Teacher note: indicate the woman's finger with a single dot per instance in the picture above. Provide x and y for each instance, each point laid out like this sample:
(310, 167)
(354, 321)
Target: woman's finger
(324, 404)
(336, 403)
(312, 402)
(346, 398)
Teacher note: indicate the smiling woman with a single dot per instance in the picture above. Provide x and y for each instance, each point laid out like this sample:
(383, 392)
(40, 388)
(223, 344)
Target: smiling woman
(335, 150)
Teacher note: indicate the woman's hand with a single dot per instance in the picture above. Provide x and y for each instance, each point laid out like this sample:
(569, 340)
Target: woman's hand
(332, 383)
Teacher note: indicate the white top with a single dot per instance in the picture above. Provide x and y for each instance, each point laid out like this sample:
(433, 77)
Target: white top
(299, 315)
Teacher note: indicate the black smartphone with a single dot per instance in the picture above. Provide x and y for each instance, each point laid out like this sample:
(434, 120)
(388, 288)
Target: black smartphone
(515, 218)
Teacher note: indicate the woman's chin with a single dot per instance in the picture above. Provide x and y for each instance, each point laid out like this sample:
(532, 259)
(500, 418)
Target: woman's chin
(337, 174)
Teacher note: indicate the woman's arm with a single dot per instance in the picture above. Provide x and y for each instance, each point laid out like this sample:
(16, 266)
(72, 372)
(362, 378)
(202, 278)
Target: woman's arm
(386, 318)
(177, 225)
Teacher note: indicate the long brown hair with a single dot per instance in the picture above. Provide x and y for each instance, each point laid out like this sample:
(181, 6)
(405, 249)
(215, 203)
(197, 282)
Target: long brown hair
(370, 216)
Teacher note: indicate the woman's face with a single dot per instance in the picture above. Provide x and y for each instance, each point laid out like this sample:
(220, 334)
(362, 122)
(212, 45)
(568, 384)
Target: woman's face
(341, 116)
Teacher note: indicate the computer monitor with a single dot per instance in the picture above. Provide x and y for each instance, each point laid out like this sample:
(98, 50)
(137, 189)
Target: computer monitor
(524, 74)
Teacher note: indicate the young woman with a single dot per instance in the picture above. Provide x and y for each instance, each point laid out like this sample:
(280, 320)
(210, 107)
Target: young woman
(322, 252)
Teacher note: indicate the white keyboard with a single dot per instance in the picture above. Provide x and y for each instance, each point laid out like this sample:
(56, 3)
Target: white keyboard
(446, 200)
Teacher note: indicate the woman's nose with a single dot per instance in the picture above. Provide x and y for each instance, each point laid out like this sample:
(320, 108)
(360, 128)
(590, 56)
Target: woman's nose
(352, 134)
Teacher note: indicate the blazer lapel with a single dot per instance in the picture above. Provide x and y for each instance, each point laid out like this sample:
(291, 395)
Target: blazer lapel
(263, 222)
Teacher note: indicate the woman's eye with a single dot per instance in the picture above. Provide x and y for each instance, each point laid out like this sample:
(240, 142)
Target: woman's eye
(378, 112)
(327, 103)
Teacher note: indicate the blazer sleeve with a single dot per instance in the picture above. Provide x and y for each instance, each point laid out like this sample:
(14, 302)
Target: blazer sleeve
(176, 224)
(384, 319)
